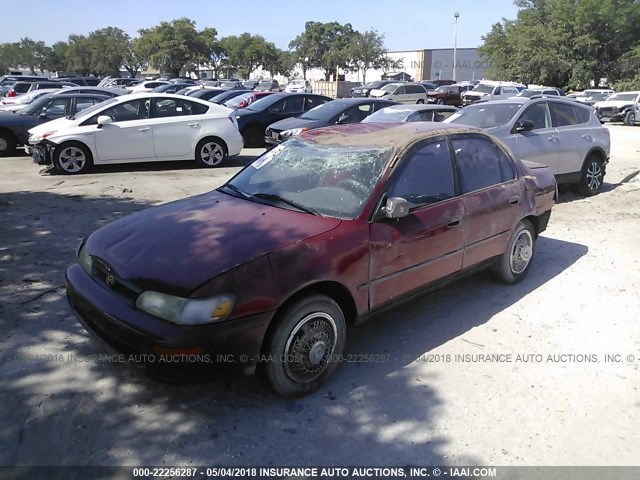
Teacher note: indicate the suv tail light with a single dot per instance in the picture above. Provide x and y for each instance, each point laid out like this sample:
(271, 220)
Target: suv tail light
(11, 93)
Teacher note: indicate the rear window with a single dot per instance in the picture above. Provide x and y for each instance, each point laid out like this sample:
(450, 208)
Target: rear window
(583, 114)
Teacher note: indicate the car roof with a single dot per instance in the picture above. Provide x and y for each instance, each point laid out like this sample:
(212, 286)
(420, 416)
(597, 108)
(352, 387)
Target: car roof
(420, 107)
(635, 92)
(397, 135)
(82, 95)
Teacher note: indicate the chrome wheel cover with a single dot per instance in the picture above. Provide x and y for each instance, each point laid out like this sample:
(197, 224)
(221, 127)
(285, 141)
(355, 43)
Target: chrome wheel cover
(72, 159)
(211, 153)
(594, 176)
(309, 347)
(521, 251)
(3, 144)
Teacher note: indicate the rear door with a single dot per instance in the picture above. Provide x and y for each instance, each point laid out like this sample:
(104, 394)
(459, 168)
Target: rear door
(575, 140)
(427, 244)
(490, 194)
(177, 126)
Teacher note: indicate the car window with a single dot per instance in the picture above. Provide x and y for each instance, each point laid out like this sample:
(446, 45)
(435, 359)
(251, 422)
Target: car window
(538, 114)
(84, 103)
(562, 114)
(54, 108)
(414, 89)
(425, 175)
(133, 110)
(313, 102)
(400, 90)
(423, 116)
(357, 113)
(479, 161)
(171, 107)
(583, 114)
(291, 105)
(441, 115)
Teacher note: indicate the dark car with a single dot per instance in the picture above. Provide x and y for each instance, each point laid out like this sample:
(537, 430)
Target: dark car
(231, 85)
(335, 112)
(246, 99)
(14, 127)
(428, 85)
(438, 83)
(108, 91)
(171, 87)
(411, 113)
(364, 90)
(267, 86)
(206, 93)
(250, 84)
(7, 81)
(313, 236)
(86, 81)
(220, 98)
(448, 94)
(253, 120)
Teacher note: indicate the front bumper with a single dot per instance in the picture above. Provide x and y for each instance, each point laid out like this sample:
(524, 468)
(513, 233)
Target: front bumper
(610, 115)
(233, 344)
(41, 152)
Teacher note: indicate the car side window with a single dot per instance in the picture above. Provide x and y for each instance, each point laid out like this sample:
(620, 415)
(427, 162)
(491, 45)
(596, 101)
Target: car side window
(171, 107)
(425, 176)
(583, 114)
(400, 91)
(423, 116)
(54, 108)
(358, 113)
(293, 105)
(538, 114)
(562, 114)
(133, 110)
(312, 102)
(82, 103)
(479, 161)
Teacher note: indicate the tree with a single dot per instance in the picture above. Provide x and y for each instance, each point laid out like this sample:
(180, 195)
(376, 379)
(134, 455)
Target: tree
(9, 56)
(31, 54)
(324, 45)
(170, 46)
(55, 57)
(78, 54)
(367, 51)
(246, 52)
(212, 52)
(134, 58)
(108, 47)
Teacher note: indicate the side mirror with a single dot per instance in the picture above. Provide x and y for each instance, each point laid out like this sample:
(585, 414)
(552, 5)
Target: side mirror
(42, 115)
(274, 110)
(104, 120)
(396, 207)
(524, 126)
(344, 118)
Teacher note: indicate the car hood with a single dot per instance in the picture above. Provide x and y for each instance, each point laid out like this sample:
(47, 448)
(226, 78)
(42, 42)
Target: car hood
(176, 247)
(289, 123)
(57, 124)
(612, 103)
(377, 92)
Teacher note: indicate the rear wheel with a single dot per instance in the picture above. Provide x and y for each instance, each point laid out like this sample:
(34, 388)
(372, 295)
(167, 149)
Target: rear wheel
(513, 265)
(7, 144)
(305, 345)
(440, 102)
(253, 137)
(71, 158)
(210, 152)
(630, 118)
(420, 102)
(592, 177)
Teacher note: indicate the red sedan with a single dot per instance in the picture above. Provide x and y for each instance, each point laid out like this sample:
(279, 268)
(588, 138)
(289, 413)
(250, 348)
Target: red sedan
(319, 232)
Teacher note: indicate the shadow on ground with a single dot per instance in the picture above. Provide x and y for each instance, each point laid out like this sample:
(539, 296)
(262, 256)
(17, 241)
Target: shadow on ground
(58, 409)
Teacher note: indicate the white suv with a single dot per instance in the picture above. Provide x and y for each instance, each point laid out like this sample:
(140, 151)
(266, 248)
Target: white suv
(401, 92)
(620, 107)
(491, 91)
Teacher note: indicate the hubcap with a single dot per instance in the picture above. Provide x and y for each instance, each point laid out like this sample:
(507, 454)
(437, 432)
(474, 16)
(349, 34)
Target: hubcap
(521, 251)
(3, 144)
(309, 347)
(594, 176)
(211, 153)
(72, 159)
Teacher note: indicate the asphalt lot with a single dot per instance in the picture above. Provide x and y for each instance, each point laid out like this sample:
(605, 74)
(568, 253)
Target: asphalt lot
(435, 401)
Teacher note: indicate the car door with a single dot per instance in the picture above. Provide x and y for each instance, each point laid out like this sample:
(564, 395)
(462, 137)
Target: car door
(574, 140)
(177, 126)
(537, 145)
(490, 194)
(400, 95)
(129, 136)
(290, 106)
(428, 244)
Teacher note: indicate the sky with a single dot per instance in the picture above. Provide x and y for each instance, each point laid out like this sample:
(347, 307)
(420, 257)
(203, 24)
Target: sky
(406, 24)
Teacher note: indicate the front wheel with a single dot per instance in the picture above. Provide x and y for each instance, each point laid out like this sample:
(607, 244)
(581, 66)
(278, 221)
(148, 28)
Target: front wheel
(630, 118)
(7, 144)
(513, 265)
(420, 102)
(71, 158)
(592, 177)
(305, 346)
(210, 152)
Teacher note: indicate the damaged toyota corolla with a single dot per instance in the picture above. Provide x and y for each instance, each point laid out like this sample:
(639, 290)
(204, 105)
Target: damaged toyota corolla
(317, 233)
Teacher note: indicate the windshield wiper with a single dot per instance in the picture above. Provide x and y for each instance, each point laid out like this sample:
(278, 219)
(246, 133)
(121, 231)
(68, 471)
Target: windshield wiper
(278, 198)
(231, 186)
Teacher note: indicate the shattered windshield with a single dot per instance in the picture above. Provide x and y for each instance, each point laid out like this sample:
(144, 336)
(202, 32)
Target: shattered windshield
(335, 181)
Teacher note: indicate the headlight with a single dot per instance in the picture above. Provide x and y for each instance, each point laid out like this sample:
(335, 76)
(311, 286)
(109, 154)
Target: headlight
(48, 134)
(365, 90)
(184, 311)
(293, 132)
(84, 260)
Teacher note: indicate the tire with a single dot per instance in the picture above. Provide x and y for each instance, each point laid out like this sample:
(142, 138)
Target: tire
(592, 177)
(440, 102)
(71, 158)
(514, 264)
(7, 144)
(630, 119)
(304, 346)
(420, 102)
(253, 137)
(211, 152)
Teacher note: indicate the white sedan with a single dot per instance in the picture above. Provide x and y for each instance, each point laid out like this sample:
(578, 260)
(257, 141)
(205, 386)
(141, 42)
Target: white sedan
(138, 128)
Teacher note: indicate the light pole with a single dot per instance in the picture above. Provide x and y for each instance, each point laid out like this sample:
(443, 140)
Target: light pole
(456, 15)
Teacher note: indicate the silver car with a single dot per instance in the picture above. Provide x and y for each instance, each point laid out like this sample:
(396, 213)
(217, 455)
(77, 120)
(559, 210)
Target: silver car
(561, 134)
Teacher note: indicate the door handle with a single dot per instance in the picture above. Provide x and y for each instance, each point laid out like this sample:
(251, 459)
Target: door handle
(144, 129)
(553, 138)
(454, 221)
(193, 124)
(587, 137)
(515, 200)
